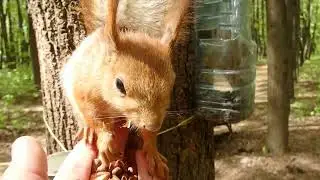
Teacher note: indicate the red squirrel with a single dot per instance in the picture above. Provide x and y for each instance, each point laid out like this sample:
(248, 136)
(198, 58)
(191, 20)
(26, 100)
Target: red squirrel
(118, 77)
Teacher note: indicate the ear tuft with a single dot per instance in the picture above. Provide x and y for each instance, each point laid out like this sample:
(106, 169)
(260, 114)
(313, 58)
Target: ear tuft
(178, 15)
(110, 29)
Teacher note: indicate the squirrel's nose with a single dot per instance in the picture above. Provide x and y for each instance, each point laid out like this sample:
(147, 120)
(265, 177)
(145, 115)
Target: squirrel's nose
(153, 127)
(150, 120)
(151, 123)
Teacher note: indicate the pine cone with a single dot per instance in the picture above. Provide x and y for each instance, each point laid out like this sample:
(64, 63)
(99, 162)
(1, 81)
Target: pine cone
(122, 169)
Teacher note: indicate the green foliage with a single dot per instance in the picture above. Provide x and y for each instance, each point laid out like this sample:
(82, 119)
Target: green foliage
(309, 30)
(310, 19)
(258, 28)
(316, 23)
(302, 108)
(308, 89)
(16, 87)
(15, 50)
(316, 109)
(16, 84)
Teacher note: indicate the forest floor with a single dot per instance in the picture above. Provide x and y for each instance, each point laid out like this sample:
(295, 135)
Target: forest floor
(240, 155)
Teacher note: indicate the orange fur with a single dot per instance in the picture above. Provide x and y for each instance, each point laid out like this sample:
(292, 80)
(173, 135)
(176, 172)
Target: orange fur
(143, 63)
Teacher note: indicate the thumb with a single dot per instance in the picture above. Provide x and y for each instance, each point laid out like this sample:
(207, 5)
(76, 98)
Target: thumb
(29, 160)
(78, 163)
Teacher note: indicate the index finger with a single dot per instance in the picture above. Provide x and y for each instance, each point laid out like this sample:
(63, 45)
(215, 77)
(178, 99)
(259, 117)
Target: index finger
(78, 163)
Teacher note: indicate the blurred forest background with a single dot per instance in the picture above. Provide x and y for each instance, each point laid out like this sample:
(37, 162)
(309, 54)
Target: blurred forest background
(20, 96)
(19, 68)
(18, 65)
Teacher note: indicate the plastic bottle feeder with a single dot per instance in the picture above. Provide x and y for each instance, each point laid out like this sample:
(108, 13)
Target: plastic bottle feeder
(226, 63)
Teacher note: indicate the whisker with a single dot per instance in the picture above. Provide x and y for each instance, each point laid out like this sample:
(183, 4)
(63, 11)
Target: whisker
(110, 113)
(133, 128)
(113, 121)
(109, 117)
(182, 110)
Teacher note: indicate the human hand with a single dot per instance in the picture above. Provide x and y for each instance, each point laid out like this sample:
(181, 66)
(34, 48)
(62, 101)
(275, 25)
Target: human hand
(29, 162)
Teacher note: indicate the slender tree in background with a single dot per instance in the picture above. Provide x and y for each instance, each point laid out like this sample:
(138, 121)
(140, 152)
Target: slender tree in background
(290, 30)
(278, 98)
(11, 59)
(258, 27)
(4, 35)
(34, 55)
(314, 28)
(14, 36)
(21, 38)
(296, 37)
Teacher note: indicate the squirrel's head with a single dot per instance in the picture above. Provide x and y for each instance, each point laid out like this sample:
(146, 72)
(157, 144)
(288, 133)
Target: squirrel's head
(138, 76)
(139, 79)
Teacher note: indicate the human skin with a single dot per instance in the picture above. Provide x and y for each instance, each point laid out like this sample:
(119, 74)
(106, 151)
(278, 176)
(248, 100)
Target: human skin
(29, 162)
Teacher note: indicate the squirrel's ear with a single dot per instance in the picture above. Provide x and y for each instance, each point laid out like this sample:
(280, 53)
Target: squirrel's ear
(110, 28)
(174, 21)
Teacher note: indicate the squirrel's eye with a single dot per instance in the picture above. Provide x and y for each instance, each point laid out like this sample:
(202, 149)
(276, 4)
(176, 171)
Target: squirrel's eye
(120, 86)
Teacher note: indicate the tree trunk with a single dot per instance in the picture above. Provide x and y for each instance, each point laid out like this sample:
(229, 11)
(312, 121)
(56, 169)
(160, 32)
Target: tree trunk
(291, 53)
(296, 37)
(23, 44)
(57, 30)
(34, 55)
(259, 26)
(314, 30)
(4, 34)
(308, 42)
(20, 18)
(2, 28)
(255, 34)
(190, 150)
(263, 28)
(11, 59)
(305, 34)
(278, 99)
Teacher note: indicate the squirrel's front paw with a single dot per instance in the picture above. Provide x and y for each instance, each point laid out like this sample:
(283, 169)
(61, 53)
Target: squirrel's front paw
(88, 134)
(107, 151)
(157, 164)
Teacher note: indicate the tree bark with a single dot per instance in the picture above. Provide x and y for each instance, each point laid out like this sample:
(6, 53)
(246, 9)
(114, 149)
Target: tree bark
(20, 18)
(2, 28)
(22, 41)
(291, 49)
(12, 56)
(314, 30)
(57, 30)
(34, 55)
(296, 37)
(278, 99)
(4, 34)
(263, 28)
(189, 150)
(308, 42)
